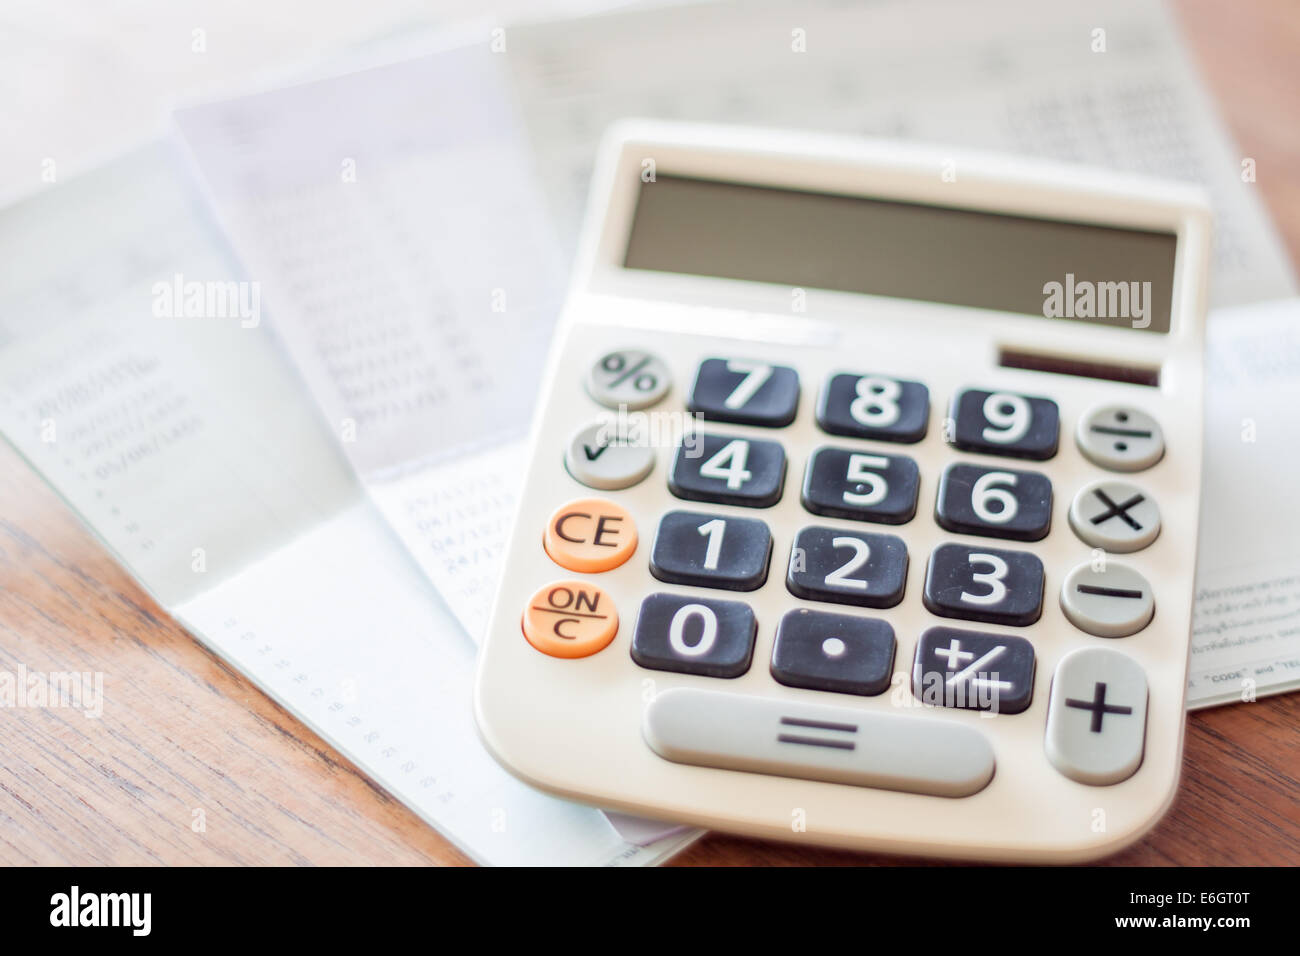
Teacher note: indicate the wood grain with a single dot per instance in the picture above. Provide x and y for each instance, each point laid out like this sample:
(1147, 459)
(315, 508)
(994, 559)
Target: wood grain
(181, 732)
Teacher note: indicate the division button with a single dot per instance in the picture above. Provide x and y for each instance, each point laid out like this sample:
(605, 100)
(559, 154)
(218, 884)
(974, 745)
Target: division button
(818, 742)
(570, 619)
(1115, 515)
(599, 457)
(629, 378)
(1120, 437)
(841, 653)
(1096, 717)
(590, 535)
(1114, 602)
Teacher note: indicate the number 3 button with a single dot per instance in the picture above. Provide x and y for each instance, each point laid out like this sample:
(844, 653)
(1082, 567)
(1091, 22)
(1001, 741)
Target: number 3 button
(1003, 423)
(984, 584)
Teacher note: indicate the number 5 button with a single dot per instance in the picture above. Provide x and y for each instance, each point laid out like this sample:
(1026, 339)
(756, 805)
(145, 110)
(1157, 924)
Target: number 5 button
(871, 406)
(996, 503)
(848, 567)
(841, 483)
(1004, 423)
(984, 584)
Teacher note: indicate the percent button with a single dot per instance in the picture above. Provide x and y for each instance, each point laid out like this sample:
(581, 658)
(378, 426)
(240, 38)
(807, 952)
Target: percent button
(629, 378)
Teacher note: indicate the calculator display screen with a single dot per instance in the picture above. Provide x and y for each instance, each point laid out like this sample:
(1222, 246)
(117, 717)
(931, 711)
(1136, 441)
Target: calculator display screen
(1040, 267)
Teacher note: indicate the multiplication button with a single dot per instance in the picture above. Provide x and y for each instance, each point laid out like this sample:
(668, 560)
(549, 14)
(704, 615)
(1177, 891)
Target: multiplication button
(599, 457)
(1108, 600)
(1115, 516)
(629, 378)
(1120, 437)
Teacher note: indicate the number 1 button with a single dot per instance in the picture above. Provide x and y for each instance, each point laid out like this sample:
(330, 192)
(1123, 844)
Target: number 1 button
(1004, 423)
(744, 392)
(711, 551)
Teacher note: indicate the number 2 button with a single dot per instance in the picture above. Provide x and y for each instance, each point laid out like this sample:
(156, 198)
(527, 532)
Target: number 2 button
(870, 406)
(744, 392)
(848, 567)
(728, 471)
(1004, 423)
(984, 584)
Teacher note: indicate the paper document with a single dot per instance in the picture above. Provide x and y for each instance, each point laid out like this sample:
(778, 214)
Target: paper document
(186, 443)
(1246, 624)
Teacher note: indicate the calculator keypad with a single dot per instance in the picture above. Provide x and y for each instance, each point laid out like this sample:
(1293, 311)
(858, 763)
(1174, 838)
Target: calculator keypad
(973, 671)
(1005, 423)
(745, 392)
(841, 653)
(730, 471)
(994, 502)
(874, 407)
(711, 551)
(848, 567)
(692, 635)
(991, 585)
(861, 486)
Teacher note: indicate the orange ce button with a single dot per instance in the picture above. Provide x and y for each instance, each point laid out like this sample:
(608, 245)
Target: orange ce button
(590, 535)
(570, 619)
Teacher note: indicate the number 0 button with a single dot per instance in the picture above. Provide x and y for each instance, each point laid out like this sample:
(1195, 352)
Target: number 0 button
(745, 392)
(1004, 423)
(984, 584)
(590, 535)
(692, 635)
(848, 567)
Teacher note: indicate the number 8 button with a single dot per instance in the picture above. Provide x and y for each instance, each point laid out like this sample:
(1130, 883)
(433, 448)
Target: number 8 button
(1004, 423)
(871, 406)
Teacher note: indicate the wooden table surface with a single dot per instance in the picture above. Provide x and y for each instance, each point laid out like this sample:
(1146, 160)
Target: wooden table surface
(182, 732)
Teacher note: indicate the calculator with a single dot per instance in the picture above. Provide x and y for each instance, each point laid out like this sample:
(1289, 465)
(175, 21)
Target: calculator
(861, 506)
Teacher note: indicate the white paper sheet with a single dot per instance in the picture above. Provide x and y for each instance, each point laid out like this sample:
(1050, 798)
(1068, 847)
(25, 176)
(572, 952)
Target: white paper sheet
(1246, 622)
(188, 446)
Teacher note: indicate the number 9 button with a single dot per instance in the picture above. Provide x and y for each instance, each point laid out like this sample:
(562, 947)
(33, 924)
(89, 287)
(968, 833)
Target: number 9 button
(1004, 423)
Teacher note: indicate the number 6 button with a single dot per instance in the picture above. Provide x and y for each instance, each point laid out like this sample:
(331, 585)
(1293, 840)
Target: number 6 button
(996, 503)
(1004, 423)
(848, 567)
(984, 584)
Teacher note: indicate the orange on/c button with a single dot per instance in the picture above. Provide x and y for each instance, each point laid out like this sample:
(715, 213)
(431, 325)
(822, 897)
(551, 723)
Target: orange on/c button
(570, 619)
(590, 535)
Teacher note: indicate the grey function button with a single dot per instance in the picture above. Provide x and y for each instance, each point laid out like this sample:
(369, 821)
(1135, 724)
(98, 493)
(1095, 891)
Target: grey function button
(1120, 437)
(1115, 601)
(599, 457)
(818, 742)
(1115, 515)
(629, 378)
(1097, 716)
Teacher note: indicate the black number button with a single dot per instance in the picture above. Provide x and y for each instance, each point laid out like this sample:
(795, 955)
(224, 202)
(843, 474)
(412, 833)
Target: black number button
(693, 635)
(996, 503)
(745, 392)
(974, 671)
(834, 652)
(1004, 423)
(872, 406)
(711, 551)
(864, 487)
(728, 471)
(984, 584)
(848, 567)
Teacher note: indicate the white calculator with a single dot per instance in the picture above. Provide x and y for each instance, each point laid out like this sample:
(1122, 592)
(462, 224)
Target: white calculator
(862, 499)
